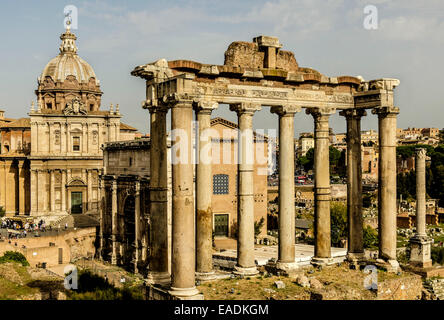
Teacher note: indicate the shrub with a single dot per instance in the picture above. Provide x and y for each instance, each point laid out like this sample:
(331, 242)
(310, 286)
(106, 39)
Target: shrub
(438, 255)
(2, 212)
(338, 212)
(258, 227)
(370, 238)
(12, 256)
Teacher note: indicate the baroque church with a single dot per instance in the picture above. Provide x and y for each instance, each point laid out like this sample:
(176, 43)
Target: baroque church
(51, 161)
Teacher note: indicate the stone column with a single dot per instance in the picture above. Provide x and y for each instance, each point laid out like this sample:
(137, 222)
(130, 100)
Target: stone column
(52, 191)
(89, 190)
(322, 185)
(114, 222)
(158, 265)
(286, 253)
(63, 191)
(102, 208)
(245, 210)
(387, 184)
(204, 212)
(34, 192)
(421, 244)
(183, 263)
(354, 184)
(22, 189)
(137, 225)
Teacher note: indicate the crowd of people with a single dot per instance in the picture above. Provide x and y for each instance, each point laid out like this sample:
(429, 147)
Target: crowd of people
(21, 229)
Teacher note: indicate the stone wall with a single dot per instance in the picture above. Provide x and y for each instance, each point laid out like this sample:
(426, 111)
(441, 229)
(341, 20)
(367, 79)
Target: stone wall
(404, 288)
(71, 245)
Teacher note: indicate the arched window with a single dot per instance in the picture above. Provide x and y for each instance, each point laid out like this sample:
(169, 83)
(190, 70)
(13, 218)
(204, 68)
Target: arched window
(220, 184)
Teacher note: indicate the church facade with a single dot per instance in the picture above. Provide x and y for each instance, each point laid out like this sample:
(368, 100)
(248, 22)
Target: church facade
(51, 161)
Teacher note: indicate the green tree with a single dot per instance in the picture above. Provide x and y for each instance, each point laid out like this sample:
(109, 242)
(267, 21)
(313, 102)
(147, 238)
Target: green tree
(338, 214)
(258, 227)
(370, 238)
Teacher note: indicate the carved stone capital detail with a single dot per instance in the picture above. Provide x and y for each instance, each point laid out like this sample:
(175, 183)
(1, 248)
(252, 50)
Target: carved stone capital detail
(285, 110)
(245, 107)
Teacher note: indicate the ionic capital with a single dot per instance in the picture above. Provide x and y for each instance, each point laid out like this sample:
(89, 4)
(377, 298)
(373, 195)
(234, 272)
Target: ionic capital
(320, 113)
(353, 113)
(205, 106)
(285, 110)
(177, 100)
(383, 112)
(245, 108)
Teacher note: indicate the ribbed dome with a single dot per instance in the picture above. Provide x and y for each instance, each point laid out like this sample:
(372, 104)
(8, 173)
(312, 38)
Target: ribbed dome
(68, 63)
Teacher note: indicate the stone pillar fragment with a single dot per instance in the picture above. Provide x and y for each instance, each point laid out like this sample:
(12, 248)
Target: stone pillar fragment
(63, 191)
(421, 244)
(183, 220)
(322, 185)
(137, 226)
(158, 265)
(245, 210)
(354, 184)
(387, 184)
(286, 253)
(204, 213)
(114, 222)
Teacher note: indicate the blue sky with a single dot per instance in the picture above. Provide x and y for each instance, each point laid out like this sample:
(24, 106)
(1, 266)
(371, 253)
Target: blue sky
(327, 35)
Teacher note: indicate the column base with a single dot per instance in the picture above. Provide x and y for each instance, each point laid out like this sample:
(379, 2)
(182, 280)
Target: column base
(206, 276)
(159, 278)
(321, 262)
(287, 267)
(185, 293)
(391, 265)
(356, 258)
(246, 272)
(420, 251)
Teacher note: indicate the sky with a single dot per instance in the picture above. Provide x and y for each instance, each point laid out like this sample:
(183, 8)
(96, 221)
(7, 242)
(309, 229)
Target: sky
(327, 35)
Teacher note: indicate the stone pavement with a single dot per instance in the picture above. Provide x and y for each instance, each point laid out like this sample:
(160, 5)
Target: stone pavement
(262, 254)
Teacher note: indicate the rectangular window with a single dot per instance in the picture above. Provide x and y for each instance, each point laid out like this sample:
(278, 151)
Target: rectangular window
(75, 143)
(220, 184)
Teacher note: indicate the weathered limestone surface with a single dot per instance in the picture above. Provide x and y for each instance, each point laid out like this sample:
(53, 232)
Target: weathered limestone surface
(322, 185)
(421, 244)
(354, 183)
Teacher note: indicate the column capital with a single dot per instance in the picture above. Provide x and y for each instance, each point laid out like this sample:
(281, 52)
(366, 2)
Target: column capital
(320, 113)
(156, 108)
(176, 100)
(421, 153)
(386, 111)
(353, 113)
(137, 187)
(245, 107)
(205, 106)
(286, 110)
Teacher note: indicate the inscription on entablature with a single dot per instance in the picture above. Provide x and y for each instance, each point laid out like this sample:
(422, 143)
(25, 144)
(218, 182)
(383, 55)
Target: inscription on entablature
(229, 92)
(269, 94)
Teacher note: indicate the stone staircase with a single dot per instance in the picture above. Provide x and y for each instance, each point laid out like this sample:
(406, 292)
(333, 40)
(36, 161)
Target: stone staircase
(435, 287)
(76, 221)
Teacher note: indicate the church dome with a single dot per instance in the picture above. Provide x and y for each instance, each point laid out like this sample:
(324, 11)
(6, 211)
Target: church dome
(68, 63)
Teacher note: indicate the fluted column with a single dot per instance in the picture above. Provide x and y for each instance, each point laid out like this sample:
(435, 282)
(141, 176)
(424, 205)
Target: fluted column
(102, 208)
(114, 222)
(387, 182)
(322, 185)
(245, 211)
(89, 190)
(137, 225)
(204, 212)
(34, 192)
(158, 265)
(286, 253)
(354, 184)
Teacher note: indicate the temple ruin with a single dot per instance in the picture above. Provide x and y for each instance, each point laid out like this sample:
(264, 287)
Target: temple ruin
(257, 74)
